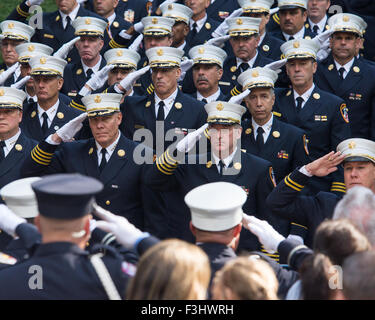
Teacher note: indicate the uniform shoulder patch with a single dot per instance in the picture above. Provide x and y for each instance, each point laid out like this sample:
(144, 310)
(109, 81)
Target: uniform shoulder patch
(344, 112)
(128, 268)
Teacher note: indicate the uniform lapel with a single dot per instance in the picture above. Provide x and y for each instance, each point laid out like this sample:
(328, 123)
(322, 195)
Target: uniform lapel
(352, 78)
(118, 159)
(310, 106)
(90, 159)
(331, 74)
(176, 112)
(14, 156)
(79, 76)
(33, 123)
(58, 120)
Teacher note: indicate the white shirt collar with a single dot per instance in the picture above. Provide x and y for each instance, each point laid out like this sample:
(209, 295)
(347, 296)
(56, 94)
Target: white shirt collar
(199, 23)
(111, 18)
(51, 112)
(211, 98)
(298, 35)
(321, 24)
(109, 149)
(35, 99)
(267, 127)
(304, 96)
(262, 37)
(347, 66)
(182, 46)
(168, 102)
(95, 68)
(227, 161)
(9, 143)
(72, 15)
(250, 62)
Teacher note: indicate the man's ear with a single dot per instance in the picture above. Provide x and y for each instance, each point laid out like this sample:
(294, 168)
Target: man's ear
(37, 223)
(192, 229)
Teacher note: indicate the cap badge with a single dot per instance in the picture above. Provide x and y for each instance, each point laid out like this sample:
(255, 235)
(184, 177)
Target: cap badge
(88, 21)
(170, 6)
(154, 20)
(239, 21)
(219, 106)
(2, 92)
(345, 18)
(43, 60)
(119, 53)
(98, 99)
(201, 50)
(31, 48)
(255, 74)
(11, 25)
(352, 145)
(159, 52)
(296, 44)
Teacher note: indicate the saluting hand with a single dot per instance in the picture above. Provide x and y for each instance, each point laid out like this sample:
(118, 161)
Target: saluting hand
(325, 165)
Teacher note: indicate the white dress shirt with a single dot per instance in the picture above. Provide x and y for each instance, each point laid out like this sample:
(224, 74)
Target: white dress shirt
(109, 149)
(321, 24)
(71, 15)
(199, 23)
(298, 35)
(266, 127)
(227, 161)
(168, 103)
(94, 69)
(250, 62)
(51, 113)
(9, 143)
(347, 67)
(211, 98)
(304, 96)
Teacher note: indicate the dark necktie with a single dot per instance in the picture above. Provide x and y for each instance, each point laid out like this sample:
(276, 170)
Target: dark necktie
(244, 66)
(160, 116)
(103, 162)
(299, 104)
(341, 72)
(316, 29)
(45, 123)
(30, 100)
(2, 153)
(194, 31)
(291, 38)
(89, 73)
(204, 100)
(222, 166)
(67, 23)
(260, 140)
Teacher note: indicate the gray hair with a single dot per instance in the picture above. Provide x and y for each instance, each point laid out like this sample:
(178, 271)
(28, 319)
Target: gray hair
(358, 205)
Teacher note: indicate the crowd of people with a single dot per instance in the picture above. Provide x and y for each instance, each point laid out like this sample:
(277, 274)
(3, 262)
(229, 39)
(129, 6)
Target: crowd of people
(197, 149)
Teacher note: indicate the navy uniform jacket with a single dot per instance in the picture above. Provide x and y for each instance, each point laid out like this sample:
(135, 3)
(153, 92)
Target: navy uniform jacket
(219, 10)
(285, 148)
(279, 34)
(122, 177)
(31, 126)
(324, 119)
(139, 113)
(67, 274)
(270, 47)
(204, 33)
(308, 26)
(231, 72)
(285, 200)
(358, 91)
(52, 34)
(116, 27)
(252, 173)
(274, 24)
(75, 78)
(10, 167)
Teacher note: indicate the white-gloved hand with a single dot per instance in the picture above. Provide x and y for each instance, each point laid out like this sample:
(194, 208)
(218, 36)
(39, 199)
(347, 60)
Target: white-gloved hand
(98, 79)
(34, 2)
(265, 233)
(9, 221)
(274, 10)
(128, 82)
(136, 43)
(219, 41)
(322, 54)
(69, 130)
(185, 66)
(223, 28)
(139, 27)
(8, 72)
(295, 238)
(238, 99)
(21, 83)
(323, 38)
(276, 65)
(187, 143)
(63, 52)
(125, 233)
(92, 224)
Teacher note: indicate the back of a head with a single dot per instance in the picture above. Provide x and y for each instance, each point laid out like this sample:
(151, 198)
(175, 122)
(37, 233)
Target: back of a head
(171, 270)
(246, 278)
(315, 274)
(338, 239)
(358, 205)
(359, 276)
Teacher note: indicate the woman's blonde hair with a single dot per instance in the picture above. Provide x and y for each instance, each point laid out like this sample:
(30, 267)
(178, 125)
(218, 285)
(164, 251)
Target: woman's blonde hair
(171, 270)
(247, 278)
